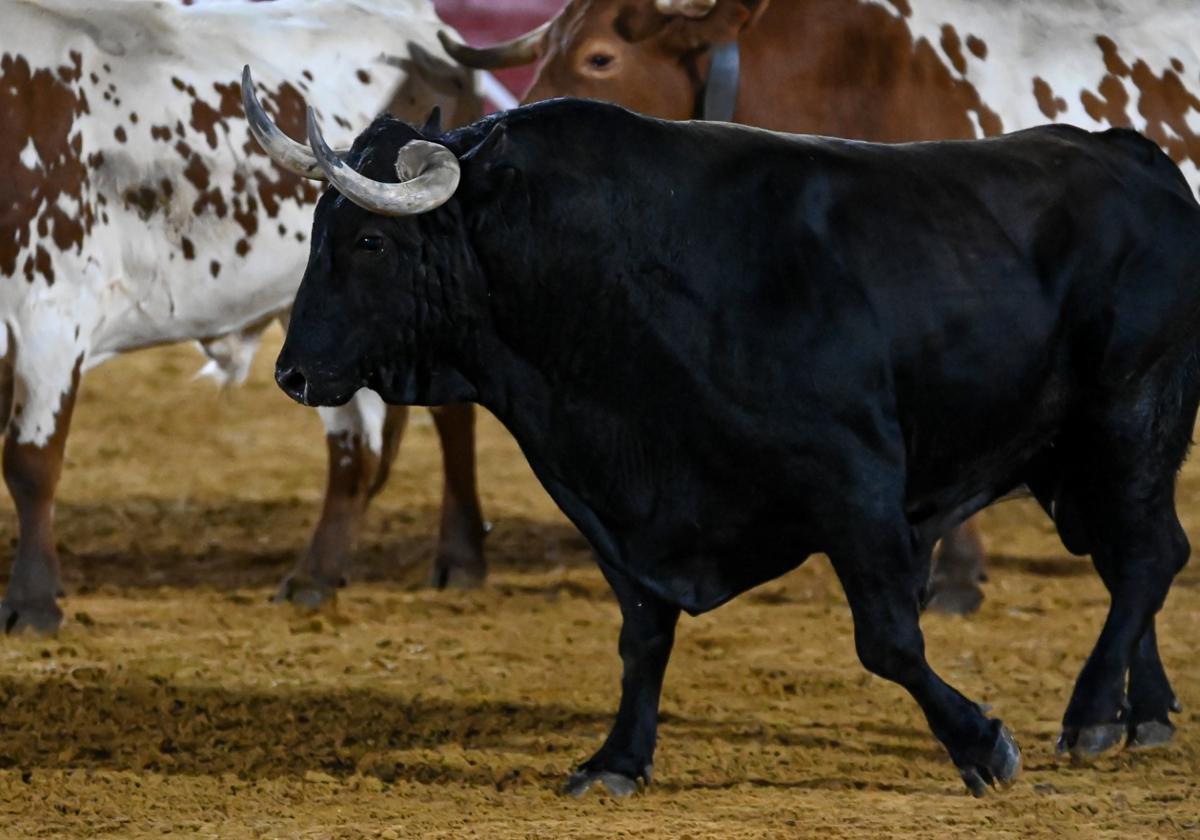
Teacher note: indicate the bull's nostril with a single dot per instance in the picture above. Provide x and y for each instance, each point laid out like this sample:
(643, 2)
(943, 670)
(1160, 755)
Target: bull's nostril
(293, 383)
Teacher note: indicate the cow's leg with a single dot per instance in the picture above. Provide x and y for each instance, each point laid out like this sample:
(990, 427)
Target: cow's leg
(647, 633)
(883, 579)
(957, 571)
(459, 560)
(35, 442)
(1151, 697)
(355, 438)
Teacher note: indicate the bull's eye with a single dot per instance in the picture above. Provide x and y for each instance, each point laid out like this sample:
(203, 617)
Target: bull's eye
(598, 61)
(371, 244)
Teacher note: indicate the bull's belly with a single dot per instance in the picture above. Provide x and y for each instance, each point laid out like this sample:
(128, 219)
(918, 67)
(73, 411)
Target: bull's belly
(943, 491)
(701, 577)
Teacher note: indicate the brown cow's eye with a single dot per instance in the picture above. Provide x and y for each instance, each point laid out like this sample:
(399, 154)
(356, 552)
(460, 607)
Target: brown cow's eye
(370, 243)
(599, 60)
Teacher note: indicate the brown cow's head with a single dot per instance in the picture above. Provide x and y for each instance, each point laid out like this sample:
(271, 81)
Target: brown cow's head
(648, 55)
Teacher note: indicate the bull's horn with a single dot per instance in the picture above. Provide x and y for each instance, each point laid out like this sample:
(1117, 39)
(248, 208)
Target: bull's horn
(428, 176)
(286, 152)
(524, 50)
(687, 8)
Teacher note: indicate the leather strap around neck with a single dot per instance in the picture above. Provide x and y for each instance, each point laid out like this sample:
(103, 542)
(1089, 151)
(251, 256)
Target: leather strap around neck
(721, 89)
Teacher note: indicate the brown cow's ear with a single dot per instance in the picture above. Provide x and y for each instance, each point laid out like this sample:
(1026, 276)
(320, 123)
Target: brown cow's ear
(723, 24)
(638, 21)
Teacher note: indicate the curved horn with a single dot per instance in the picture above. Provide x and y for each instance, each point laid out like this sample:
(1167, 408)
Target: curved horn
(292, 156)
(523, 50)
(428, 176)
(286, 152)
(687, 8)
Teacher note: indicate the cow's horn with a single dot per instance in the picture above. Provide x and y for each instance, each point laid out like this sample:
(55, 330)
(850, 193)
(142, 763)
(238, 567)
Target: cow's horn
(687, 8)
(524, 50)
(428, 176)
(292, 156)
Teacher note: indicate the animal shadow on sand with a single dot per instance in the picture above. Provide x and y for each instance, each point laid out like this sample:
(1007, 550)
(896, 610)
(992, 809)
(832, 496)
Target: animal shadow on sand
(125, 722)
(150, 543)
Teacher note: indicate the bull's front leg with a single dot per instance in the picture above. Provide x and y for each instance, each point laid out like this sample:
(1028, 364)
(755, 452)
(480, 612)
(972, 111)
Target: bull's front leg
(882, 575)
(43, 400)
(360, 445)
(647, 634)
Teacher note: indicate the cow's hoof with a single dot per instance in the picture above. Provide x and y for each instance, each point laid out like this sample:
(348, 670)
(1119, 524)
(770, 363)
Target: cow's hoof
(1084, 742)
(618, 785)
(1150, 733)
(40, 617)
(305, 592)
(455, 573)
(1001, 769)
(954, 597)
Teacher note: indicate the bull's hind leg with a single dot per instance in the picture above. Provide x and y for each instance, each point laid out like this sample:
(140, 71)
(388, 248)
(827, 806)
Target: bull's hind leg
(359, 440)
(44, 388)
(1118, 498)
(459, 561)
(1138, 547)
(883, 578)
(1151, 698)
(647, 634)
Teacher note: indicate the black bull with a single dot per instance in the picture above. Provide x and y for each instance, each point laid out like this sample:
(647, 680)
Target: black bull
(723, 350)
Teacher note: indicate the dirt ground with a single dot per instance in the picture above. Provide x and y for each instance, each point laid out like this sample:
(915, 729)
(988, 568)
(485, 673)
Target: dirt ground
(177, 701)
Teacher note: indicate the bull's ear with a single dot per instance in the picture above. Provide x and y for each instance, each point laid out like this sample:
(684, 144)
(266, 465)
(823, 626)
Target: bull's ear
(491, 149)
(490, 164)
(433, 123)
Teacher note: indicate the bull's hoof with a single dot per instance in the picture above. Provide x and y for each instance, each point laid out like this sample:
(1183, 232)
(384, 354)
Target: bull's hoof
(1150, 733)
(1001, 768)
(1085, 742)
(618, 785)
(954, 597)
(41, 617)
(457, 573)
(305, 592)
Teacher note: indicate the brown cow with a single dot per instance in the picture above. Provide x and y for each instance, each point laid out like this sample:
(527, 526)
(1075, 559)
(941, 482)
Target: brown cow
(890, 71)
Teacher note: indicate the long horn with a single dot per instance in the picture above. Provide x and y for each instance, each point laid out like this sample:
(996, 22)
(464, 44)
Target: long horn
(286, 152)
(687, 8)
(524, 50)
(428, 174)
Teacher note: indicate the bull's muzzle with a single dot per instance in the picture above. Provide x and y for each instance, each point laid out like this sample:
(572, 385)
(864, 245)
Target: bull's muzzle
(292, 380)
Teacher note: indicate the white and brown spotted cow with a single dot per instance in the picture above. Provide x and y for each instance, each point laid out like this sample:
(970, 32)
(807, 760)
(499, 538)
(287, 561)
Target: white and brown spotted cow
(136, 210)
(884, 70)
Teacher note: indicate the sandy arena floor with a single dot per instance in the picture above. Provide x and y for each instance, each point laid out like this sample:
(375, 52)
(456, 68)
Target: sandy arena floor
(177, 701)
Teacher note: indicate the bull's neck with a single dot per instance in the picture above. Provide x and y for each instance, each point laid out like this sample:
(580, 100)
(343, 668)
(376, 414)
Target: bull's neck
(558, 330)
